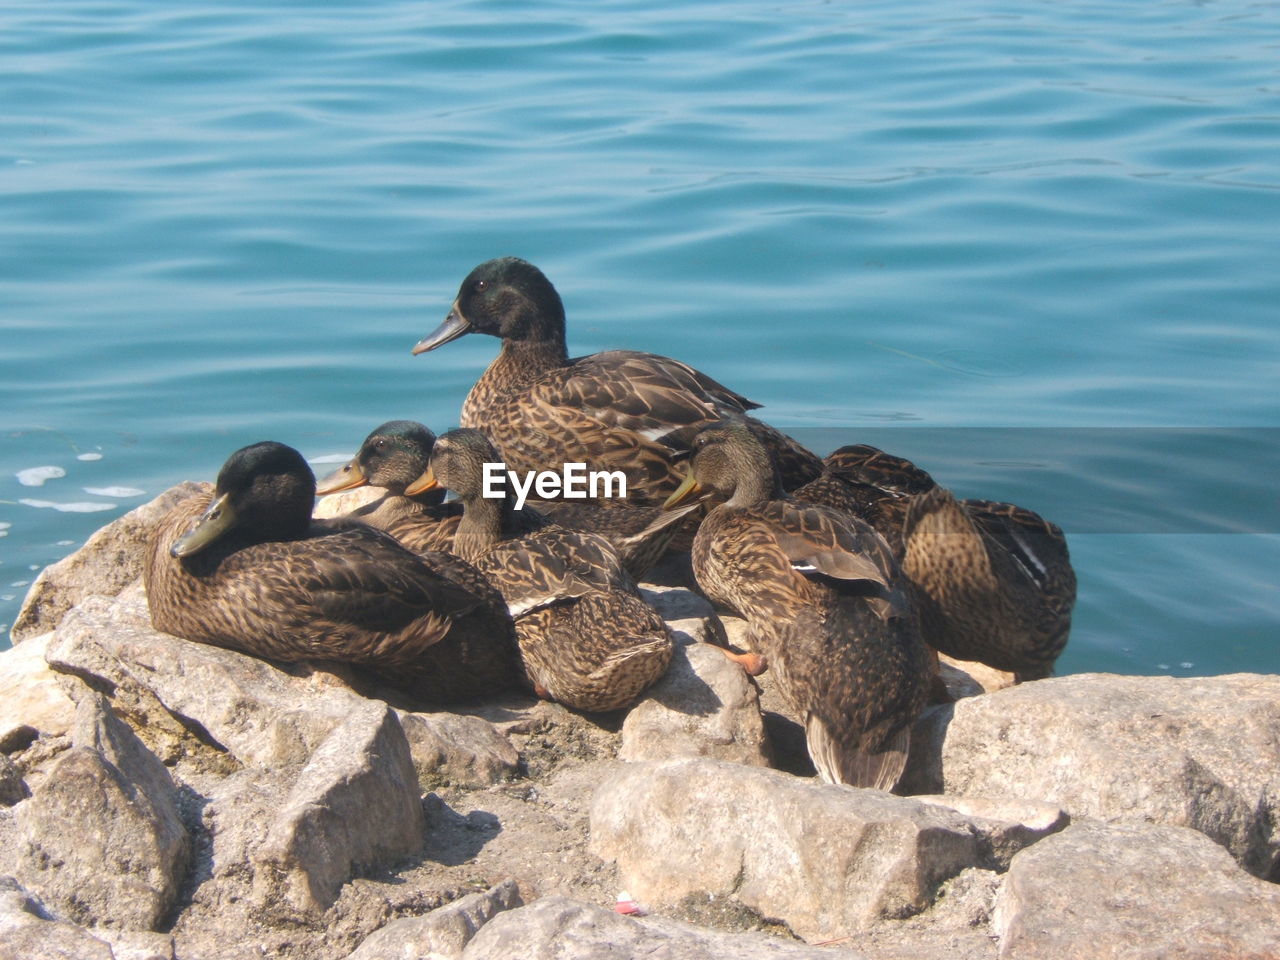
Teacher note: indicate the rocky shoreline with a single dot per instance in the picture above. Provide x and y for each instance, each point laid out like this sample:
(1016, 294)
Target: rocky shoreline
(164, 799)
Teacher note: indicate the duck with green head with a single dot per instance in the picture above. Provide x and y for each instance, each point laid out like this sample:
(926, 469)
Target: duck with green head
(246, 567)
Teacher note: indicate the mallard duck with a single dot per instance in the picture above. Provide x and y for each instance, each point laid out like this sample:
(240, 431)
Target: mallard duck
(396, 455)
(587, 637)
(994, 581)
(392, 457)
(825, 604)
(617, 410)
(246, 567)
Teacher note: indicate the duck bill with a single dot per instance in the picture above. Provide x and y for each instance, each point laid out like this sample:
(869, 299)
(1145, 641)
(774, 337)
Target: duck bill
(214, 523)
(346, 477)
(454, 326)
(689, 488)
(424, 483)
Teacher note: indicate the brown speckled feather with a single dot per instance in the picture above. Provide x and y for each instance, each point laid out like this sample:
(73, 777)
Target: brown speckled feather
(345, 592)
(996, 581)
(814, 585)
(586, 636)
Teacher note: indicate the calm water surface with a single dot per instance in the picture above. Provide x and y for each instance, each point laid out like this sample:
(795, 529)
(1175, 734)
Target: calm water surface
(1031, 245)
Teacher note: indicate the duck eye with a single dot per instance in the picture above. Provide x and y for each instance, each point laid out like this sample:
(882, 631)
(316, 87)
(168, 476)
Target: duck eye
(481, 286)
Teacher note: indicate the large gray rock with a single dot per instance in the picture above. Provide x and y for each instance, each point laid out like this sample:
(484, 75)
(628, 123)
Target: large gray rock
(27, 932)
(102, 840)
(354, 808)
(263, 714)
(704, 706)
(31, 702)
(1199, 752)
(108, 562)
(1134, 891)
(557, 928)
(826, 860)
(441, 934)
(448, 748)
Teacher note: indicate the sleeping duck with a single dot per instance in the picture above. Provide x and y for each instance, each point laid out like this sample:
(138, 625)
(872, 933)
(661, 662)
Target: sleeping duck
(825, 604)
(994, 581)
(587, 637)
(246, 567)
(616, 410)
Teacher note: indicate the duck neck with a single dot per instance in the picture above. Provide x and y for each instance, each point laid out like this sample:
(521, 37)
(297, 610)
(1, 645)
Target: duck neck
(754, 487)
(481, 526)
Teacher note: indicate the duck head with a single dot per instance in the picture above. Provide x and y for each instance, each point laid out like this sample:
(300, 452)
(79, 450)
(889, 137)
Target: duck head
(392, 457)
(265, 492)
(508, 298)
(729, 462)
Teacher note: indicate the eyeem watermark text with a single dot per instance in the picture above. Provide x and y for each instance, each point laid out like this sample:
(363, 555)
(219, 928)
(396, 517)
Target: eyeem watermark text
(574, 482)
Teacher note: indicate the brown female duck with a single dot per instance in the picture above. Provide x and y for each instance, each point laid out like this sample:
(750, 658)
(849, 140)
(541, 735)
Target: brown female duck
(994, 581)
(824, 602)
(617, 410)
(587, 637)
(397, 453)
(246, 567)
(392, 457)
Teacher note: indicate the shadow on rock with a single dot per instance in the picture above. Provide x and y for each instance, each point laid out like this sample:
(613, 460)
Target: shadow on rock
(454, 838)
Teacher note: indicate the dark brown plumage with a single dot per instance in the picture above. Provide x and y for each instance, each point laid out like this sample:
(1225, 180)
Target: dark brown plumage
(825, 604)
(587, 637)
(993, 581)
(616, 410)
(245, 567)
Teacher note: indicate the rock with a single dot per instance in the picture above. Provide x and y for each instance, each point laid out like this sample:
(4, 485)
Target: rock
(557, 928)
(346, 501)
(355, 808)
(27, 932)
(704, 706)
(1134, 891)
(263, 714)
(1007, 824)
(677, 603)
(12, 789)
(826, 860)
(441, 934)
(108, 562)
(102, 840)
(980, 677)
(131, 945)
(31, 702)
(449, 748)
(1196, 752)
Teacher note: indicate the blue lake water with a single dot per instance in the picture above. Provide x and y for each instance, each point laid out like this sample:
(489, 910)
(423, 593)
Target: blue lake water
(1032, 245)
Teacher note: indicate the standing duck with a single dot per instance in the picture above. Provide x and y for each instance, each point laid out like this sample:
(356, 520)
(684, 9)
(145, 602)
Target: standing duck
(993, 581)
(588, 639)
(617, 410)
(246, 567)
(824, 602)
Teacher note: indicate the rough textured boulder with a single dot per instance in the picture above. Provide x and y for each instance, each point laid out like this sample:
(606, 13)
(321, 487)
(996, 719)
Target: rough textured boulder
(1198, 752)
(1134, 891)
(264, 714)
(27, 932)
(449, 748)
(441, 934)
(826, 860)
(1007, 823)
(355, 807)
(704, 706)
(102, 840)
(31, 702)
(108, 562)
(557, 928)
